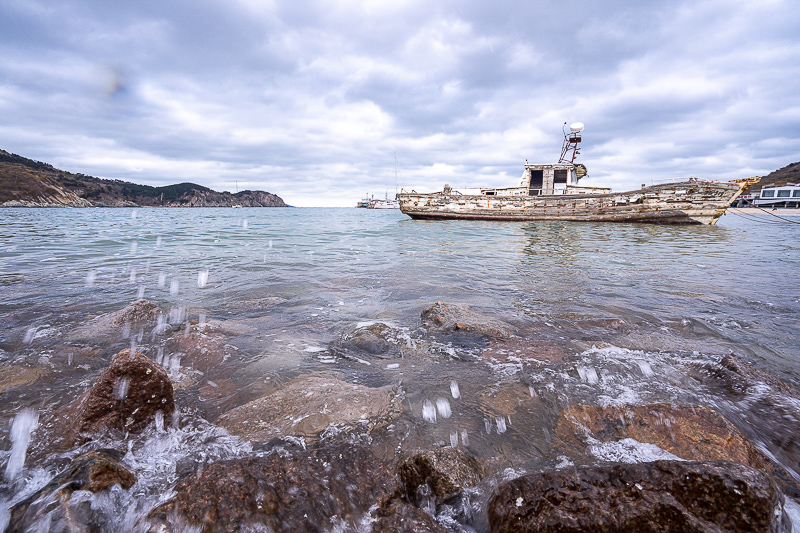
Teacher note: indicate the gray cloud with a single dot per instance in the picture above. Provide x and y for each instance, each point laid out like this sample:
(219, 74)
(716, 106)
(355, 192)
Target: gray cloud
(312, 100)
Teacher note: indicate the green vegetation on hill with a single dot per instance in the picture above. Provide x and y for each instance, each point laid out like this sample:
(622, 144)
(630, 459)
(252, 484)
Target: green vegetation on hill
(27, 182)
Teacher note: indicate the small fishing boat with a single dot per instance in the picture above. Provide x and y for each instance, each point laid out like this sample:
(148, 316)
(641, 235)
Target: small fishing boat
(552, 192)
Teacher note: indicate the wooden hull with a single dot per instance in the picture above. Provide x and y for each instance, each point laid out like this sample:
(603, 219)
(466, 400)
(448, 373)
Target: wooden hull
(688, 202)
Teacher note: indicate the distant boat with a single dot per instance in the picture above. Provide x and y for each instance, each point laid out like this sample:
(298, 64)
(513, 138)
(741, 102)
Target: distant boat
(236, 205)
(385, 204)
(551, 192)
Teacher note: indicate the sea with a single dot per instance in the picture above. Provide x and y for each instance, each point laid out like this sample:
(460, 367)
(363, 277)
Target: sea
(627, 308)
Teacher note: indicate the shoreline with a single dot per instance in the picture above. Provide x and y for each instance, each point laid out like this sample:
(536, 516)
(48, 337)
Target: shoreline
(763, 211)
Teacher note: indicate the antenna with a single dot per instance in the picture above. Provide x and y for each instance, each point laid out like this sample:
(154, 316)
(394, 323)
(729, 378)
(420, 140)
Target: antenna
(570, 150)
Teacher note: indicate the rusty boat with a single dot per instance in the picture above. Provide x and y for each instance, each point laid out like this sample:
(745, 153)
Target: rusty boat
(552, 192)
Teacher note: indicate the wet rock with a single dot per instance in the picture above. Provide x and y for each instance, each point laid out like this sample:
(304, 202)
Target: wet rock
(308, 405)
(444, 317)
(317, 490)
(659, 496)
(13, 376)
(93, 471)
(446, 472)
(125, 398)
(139, 314)
(688, 432)
(745, 376)
(376, 340)
(530, 350)
(200, 350)
(400, 517)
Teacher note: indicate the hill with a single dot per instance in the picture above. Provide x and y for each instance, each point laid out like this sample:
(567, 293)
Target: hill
(789, 173)
(28, 183)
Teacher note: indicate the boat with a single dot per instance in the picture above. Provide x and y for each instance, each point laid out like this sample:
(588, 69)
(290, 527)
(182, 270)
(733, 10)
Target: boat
(552, 192)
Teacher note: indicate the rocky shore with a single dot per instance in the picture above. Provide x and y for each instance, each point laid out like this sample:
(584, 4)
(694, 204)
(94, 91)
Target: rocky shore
(329, 454)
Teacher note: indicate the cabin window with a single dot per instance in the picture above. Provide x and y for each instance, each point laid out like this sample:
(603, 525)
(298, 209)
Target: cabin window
(767, 194)
(537, 178)
(491, 193)
(560, 176)
(783, 194)
(796, 193)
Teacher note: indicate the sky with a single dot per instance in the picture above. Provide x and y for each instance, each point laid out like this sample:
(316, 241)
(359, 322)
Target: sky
(324, 102)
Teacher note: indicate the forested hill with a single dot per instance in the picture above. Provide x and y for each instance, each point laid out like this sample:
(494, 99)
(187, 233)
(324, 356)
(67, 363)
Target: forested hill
(28, 183)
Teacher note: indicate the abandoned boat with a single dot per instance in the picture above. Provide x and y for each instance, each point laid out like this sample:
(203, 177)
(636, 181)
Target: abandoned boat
(552, 192)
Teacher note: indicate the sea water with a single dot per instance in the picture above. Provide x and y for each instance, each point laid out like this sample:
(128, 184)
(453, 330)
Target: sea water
(625, 305)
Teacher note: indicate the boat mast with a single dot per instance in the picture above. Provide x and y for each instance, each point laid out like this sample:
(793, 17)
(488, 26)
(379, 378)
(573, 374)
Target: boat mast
(570, 150)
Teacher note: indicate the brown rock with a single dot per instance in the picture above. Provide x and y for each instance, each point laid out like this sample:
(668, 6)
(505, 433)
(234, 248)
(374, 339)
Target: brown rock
(316, 490)
(529, 349)
(201, 350)
(400, 517)
(447, 471)
(308, 405)
(648, 497)
(690, 432)
(126, 397)
(376, 340)
(750, 376)
(93, 471)
(451, 318)
(139, 314)
(12, 376)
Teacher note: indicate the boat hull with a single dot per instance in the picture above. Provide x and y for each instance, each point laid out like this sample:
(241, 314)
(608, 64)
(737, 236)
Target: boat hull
(688, 202)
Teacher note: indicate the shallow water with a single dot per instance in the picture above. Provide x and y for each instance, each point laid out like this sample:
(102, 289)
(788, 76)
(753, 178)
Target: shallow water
(286, 282)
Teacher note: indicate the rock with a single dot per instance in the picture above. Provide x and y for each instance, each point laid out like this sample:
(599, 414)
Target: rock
(13, 376)
(446, 471)
(93, 471)
(689, 432)
(531, 350)
(444, 317)
(717, 497)
(317, 490)
(400, 517)
(376, 340)
(200, 350)
(125, 398)
(308, 405)
(139, 314)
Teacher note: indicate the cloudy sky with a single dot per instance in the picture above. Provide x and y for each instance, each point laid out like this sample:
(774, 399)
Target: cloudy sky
(314, 100)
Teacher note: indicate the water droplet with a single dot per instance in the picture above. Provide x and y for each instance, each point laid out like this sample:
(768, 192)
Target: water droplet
(120, 391)
(21, 428)
(244, 223)
(174, 287)
(588, 374)
(453, 439)
(454, 390)
(428, 411)
(202, 278)
(159, 420)
(487, 423)
(162, 280)
(132, 277)
(29, 335)
(464, 438)
(134, 214)
(270, 244)
(158, 242)
(91, 276)
(140, 293)
(501, 424)
(134, 247)
(645, 367)
(443, 406)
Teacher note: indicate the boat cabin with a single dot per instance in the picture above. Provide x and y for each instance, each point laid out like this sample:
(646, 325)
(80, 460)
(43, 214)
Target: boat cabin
(780, 194)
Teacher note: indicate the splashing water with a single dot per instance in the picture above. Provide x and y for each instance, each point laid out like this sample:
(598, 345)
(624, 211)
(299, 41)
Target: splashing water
(22, 427)
(501, 424)
(443, 406)
(454, 391)
(29, 335)
(428, 411)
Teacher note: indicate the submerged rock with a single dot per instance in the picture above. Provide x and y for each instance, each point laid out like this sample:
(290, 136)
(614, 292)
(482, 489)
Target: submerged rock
(689, 432)
(138, 314)
(326, 489)
(659, 496)
(376, 340)
(125, 398)
(445, 318)
(13, 376)
(201, 350)
(308, 405)
(446, 472)
(400, 517)
(93, 471)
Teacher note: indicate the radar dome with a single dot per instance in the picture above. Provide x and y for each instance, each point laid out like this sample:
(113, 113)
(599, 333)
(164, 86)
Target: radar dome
(576, 127)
